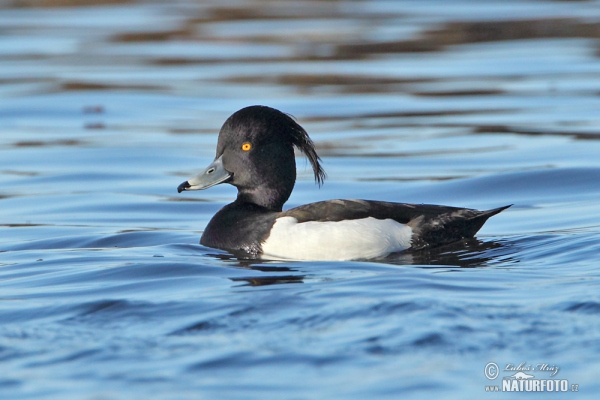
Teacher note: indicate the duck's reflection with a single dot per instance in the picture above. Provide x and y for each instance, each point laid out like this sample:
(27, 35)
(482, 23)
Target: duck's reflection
(276, 272)
(468, 253)
(270, 280)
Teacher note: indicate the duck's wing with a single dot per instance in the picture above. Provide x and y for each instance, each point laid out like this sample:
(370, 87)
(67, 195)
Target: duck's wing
(432, 225)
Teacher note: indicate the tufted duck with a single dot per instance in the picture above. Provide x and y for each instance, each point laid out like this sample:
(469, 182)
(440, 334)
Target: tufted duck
(255, 153)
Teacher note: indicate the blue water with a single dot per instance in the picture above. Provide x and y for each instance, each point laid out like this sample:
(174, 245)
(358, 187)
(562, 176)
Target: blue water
(105, 292)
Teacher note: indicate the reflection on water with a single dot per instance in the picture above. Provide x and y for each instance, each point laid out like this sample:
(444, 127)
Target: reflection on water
(470, 253)
(105, 292)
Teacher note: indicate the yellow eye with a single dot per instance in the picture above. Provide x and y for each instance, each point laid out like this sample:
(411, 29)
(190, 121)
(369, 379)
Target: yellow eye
(246, 146)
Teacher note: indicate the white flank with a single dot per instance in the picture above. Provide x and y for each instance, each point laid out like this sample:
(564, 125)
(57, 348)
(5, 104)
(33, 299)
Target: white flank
(343, 240)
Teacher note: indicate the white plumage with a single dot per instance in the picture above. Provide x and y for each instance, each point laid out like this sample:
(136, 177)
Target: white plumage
(342, 240)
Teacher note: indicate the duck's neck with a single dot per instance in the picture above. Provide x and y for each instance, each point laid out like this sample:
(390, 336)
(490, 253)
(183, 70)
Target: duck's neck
(272, 199)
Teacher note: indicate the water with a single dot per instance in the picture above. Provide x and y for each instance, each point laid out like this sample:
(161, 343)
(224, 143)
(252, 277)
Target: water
(105, 292)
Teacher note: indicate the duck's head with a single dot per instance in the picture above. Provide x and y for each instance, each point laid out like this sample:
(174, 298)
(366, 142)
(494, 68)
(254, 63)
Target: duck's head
(255, 153)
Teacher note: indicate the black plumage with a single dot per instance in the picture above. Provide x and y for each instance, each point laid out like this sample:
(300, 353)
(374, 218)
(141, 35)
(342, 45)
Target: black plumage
(255, 153)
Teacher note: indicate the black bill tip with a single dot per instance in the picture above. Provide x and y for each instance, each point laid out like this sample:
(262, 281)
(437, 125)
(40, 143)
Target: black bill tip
(185, 185)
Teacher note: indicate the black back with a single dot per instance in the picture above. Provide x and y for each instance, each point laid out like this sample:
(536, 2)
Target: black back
(432, 225)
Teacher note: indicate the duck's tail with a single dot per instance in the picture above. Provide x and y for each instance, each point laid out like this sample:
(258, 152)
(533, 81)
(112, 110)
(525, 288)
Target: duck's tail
(475, 223)
(449, 227)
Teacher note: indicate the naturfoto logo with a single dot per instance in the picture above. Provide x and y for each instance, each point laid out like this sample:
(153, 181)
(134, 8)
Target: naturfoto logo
(523, 379)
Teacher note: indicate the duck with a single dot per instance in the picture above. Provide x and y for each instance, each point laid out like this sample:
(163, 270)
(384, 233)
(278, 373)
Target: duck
(255, 153)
